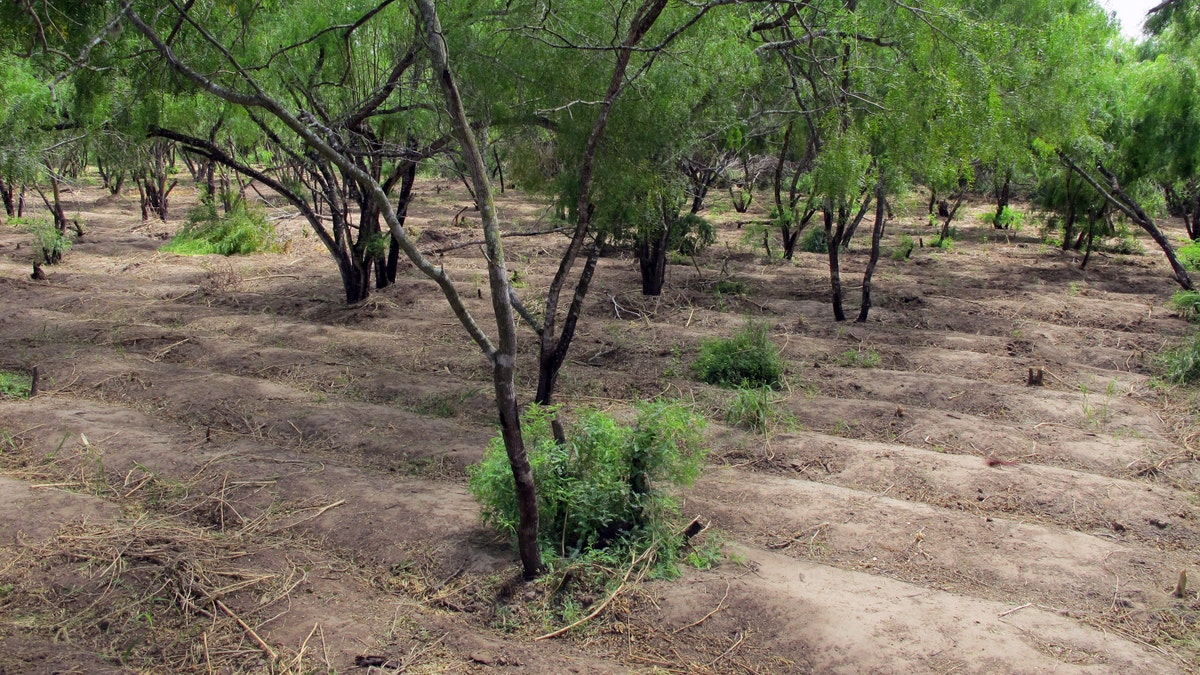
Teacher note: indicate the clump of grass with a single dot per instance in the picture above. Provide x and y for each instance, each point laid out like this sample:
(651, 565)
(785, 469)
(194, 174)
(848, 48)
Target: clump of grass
(242, 231)
(815, 241)
(858, 358)
(1009, 218)
(1187, 303)
(15, 385)
(607, 488)
(1181, 365)
(903, 250)
(749, 359)
(756, 409)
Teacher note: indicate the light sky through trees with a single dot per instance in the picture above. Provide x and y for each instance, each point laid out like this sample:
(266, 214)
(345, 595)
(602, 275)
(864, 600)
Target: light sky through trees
(1131, 14)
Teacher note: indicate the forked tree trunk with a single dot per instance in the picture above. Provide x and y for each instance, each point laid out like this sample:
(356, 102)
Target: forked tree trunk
(503, 358)
(833, 239)
(876, 239)
(1117, 197)
(1002, 199)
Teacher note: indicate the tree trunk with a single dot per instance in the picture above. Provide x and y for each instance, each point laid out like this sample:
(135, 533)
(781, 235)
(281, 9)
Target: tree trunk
(958, 199)
(876, 238)
(1002, 200)
(504, 356)
(858, 217)
(1117, 197)
(1069, 220)
(833, 238)
(6, 194)
(550, 361)
(652, 262)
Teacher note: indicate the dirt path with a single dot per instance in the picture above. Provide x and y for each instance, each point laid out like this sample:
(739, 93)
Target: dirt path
(224, 429)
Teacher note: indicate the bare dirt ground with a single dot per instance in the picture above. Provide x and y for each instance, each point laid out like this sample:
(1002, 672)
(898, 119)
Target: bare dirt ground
(230, 471)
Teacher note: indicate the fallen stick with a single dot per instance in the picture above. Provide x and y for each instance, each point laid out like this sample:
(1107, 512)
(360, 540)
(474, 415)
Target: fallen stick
(249, 631)
(704, 618)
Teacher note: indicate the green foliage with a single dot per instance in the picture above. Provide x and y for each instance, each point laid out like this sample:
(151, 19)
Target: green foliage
(903, 250)
(814, 241)
(607, 488)
(1181, 365)
(1187, 303)
(1009, 218)
(755, 408)
(944, 244)
(749, 359)
(49, 243)
(14, 385)
(1189, 256)
(728, 286)
(858, 358)
(1125, 243)
(242, 231)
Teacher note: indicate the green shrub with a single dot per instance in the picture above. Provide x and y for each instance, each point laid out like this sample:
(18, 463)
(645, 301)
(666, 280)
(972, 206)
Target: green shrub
(14, 385)
(748, 359)
(1181, 365)
(729, 286)
(1189, 256)
(755, 409)
(1187, 303)
(814, 241)
(903, 250)
(242, 231)
(944, 244)
(1009, 218)
(49, 244)
(607, 488)
(858, 358)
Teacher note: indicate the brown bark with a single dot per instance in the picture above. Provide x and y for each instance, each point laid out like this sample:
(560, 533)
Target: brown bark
(876, 238)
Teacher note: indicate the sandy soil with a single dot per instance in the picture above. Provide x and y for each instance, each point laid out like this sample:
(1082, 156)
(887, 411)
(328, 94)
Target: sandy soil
(227, 465)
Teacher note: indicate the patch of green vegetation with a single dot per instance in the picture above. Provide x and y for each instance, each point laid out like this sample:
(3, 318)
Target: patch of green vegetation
(1181, 365)
(749, 359)
(858, 358)
(606, 492)
(242, 231)
(1010, 219)
(814, 241)
(756, 409)
(904, 249)
(728, 286)
(1187, 303)
(14, 384)
(1189, 256)
(945, 244)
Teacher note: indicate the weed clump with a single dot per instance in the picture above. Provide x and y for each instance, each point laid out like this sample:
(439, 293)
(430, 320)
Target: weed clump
(749, 359)
(1187, 303)
(606, 489)
(755, 409)
(1181, 365)
(241, 231)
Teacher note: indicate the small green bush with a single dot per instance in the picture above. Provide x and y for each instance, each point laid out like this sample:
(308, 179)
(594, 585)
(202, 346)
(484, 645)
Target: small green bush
(1009, 218)
(749, 359)
(607, 488)
(755, 409)
(729, 286)
(242, 231)
(1187, 303)
(903, 250)
(50, 244)
(815, 241)
(1181, 365)
(1189, 256)
(859, 358)
(15, 385)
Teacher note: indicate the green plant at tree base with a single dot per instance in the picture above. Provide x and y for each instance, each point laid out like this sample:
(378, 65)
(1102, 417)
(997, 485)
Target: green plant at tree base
(14, 385)
(1009, 218)
(607, 488)
(242, 231)
(814, 241)
(49, 243)
(903, 250)
(749, 359)
(1187, 303)
(1189, 256)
